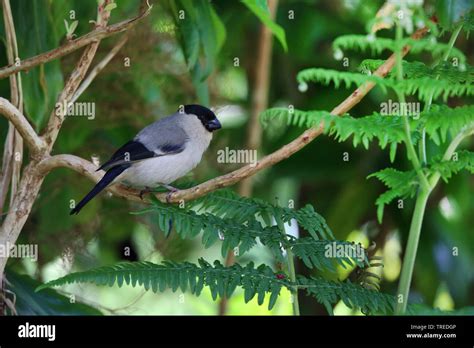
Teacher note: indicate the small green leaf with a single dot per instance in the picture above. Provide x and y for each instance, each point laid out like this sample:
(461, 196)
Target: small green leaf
(110, 6)
(72, 27)
(260, 9)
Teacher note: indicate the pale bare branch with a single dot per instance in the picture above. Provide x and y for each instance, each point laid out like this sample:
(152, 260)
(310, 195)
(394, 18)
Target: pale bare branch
(33, 141)
(16, 93)
(98, 34)
(57, 116)
(87, 169)
(99, 67)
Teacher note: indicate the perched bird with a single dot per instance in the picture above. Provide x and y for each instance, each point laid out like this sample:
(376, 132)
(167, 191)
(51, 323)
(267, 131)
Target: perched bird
(160, 153)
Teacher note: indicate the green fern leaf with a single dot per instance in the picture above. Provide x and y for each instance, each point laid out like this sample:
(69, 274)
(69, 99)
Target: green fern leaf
(354, 296)
(222, 281)
(443, 120)
(400, 184)
(322, 254)
(424, 87)
(378, 45)
(461, 160)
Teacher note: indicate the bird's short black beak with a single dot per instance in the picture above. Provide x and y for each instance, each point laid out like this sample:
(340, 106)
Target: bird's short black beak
(214, 125)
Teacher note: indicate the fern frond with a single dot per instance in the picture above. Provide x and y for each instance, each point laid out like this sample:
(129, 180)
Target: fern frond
(413, 70)
(366, 276)
(468, 22)
(462, 160)
(228, 204)
(385, 128)
(378, 45)
(233, 232)
(299, 118)
(221, 280)
(442, 119)
(307, 218)
(225, 203)
(323, 254)
(400, 184)
(327, 76)
(424, 87)
(353, 295)
(245, 233)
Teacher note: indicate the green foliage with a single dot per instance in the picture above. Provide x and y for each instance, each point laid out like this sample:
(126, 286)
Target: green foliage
(226, 203)
(453, 12)
(424, 87)
(222, 281)
(260, 9)
(400, 184)
(202, 35)
(242, 222)
(378, 45)
(36, 34)
(237, 222)
(353, 295)
(234, 233)
(442, 120)
(185, 276)
(462, 160)
(313, 253)
(363, 130)
(445, 72)
(48, 302)
(405, 184)
(438, 122)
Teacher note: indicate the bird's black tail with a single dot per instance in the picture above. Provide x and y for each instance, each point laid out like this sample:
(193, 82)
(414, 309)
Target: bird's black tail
(109, 176)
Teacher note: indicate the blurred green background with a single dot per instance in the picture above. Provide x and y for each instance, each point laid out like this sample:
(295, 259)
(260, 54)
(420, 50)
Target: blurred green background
(163, 74)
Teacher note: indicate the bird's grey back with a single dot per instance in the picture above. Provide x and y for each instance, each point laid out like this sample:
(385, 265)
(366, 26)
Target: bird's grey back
(164, 132)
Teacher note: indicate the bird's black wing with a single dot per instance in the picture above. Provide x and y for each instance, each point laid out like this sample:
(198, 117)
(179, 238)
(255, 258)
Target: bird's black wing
(134, 151)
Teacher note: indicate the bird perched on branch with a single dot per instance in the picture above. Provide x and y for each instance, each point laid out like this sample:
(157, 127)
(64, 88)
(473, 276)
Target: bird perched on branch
(160, 153)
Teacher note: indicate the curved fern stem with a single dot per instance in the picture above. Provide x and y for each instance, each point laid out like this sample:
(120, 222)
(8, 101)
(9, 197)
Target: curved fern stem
(406, 125)
(450, 151)
(422, 144)
(411, 249)
(421, 199)
(424, 193)
(291, 268)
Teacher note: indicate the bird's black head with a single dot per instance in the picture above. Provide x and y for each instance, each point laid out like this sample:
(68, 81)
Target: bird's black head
(206, 116)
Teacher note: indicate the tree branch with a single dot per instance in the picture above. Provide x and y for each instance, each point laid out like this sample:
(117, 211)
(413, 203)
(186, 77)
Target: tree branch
(99, 67)
(41, 147)
(73, 45)
(33, 141)
(260, 90)
(88, 169)
(16, 96)
(292, 147)
(57, 116)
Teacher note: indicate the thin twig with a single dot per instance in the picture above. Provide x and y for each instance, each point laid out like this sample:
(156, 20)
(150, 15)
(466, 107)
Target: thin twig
(16, 96)
(57, 116)
(99, 67)
(96, 35)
